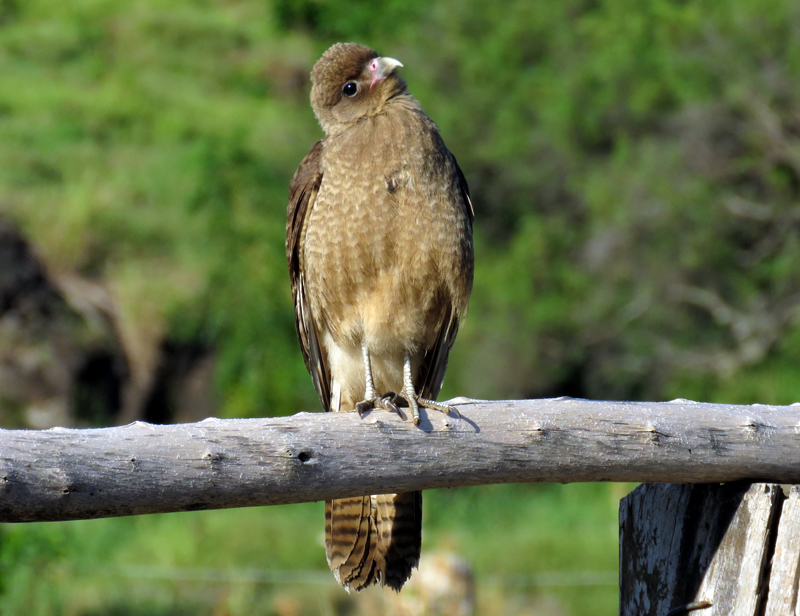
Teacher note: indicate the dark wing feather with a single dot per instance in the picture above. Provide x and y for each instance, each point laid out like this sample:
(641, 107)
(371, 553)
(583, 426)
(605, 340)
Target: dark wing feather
(466, 202)
(434, 364)
(302, 192)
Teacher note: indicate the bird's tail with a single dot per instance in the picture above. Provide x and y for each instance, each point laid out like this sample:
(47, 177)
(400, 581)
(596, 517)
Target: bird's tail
(373, 539)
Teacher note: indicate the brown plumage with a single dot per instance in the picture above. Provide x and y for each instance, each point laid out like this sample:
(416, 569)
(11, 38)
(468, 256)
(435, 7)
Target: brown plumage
(379, 244)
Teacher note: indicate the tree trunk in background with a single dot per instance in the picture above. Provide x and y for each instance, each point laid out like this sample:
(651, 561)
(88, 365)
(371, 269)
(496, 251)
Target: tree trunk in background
(64, 360)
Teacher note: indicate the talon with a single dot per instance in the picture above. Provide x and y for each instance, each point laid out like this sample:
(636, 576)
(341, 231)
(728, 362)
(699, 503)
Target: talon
(388, 401)
(364, 406)
(397, 399)
(411, 401)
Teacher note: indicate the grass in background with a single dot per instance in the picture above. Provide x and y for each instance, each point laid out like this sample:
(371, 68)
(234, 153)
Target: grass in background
(271, 560)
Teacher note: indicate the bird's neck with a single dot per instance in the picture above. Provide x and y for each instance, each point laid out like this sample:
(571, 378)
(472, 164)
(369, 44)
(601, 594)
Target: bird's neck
(399, 102)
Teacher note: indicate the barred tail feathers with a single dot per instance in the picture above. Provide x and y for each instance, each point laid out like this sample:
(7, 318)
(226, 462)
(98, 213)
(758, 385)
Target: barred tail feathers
(373, 539)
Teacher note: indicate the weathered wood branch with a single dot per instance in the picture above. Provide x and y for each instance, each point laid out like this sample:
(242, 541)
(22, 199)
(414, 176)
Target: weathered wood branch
(65, 474)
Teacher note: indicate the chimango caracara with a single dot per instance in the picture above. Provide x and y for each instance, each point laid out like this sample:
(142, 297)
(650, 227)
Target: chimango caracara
(379, 244)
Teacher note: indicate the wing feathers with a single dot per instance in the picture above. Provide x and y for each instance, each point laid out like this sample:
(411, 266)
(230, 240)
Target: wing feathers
(302, 193)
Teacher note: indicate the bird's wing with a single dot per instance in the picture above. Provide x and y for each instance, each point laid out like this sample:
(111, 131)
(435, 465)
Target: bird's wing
(302, 193)
(463, 188)
(434, 363)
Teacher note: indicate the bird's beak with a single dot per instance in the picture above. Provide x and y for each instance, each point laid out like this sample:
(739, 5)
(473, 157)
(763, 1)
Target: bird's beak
(382, 68)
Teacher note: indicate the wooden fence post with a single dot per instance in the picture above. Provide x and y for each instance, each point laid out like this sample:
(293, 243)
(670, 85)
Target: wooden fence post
(717, 549)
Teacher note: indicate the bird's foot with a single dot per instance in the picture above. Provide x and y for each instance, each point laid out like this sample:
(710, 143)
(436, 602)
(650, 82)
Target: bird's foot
(387, 401)
(439, 406)
(415, 402)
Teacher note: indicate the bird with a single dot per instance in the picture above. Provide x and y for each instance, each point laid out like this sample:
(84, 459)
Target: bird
(380, 253)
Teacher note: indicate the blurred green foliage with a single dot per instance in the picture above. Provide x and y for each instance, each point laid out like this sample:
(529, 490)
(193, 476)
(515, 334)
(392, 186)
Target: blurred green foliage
(247, 561)
(635, 169)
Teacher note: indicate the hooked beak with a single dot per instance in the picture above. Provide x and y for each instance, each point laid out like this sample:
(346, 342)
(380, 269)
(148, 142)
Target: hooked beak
(382, 68)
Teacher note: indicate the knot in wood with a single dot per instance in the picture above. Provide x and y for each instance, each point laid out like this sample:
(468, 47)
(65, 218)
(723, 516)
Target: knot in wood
(305, 456)
(754, 427)
(215, 458)
(654, 435)
(536, 433)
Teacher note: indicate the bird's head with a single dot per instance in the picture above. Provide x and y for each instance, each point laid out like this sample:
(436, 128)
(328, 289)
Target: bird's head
(350, 82)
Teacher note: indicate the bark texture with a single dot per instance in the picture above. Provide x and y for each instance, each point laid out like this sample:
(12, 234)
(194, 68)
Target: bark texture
(67, 474)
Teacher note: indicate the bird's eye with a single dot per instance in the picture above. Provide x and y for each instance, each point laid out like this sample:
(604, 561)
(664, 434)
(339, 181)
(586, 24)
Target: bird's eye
(350, 88)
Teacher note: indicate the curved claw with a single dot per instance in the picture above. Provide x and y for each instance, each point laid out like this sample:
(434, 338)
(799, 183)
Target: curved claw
(365, 406)
(387, 401)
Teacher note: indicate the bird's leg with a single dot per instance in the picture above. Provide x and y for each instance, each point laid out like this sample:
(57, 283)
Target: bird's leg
(370, 388)
(414, 401)
(408, 389)
(371, 399)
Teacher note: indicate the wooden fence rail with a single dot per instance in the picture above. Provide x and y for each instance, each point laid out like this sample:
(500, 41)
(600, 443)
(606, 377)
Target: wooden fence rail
(68, 474)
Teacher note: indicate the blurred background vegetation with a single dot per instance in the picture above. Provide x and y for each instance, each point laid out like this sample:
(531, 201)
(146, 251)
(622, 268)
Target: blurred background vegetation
(635, 170)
